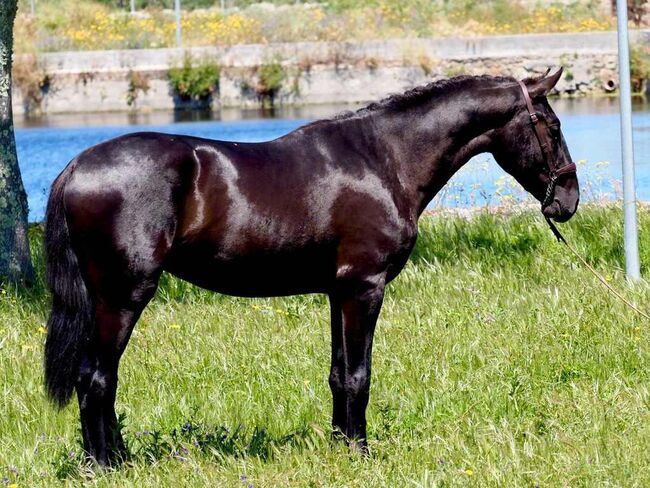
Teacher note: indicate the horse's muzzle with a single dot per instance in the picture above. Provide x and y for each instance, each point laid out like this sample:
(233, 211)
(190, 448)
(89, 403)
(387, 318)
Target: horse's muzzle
(559, 212)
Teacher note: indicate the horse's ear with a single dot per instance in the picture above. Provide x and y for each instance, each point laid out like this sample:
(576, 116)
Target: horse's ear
(540, 87)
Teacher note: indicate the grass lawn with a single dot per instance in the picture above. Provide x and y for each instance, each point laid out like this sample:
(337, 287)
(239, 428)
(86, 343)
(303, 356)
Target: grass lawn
(498, 361)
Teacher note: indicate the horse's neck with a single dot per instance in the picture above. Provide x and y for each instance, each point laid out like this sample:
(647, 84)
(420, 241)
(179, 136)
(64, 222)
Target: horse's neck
(430, 146)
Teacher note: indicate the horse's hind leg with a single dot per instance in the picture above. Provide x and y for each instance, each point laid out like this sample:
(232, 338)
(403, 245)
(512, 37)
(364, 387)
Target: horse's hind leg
(337, 369)
(116, 312)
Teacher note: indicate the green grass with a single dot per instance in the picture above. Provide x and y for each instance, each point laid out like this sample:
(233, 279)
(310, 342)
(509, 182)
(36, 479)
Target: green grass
(498, 361)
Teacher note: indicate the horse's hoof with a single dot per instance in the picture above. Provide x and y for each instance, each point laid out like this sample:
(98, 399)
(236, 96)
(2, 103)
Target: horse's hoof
(360, 447)
(100, 463)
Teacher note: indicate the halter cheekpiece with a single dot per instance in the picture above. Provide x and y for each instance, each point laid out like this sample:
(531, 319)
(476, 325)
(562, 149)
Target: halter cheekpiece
(545, 144)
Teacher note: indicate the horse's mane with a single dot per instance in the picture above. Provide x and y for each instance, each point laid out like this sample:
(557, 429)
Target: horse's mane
(423, 93)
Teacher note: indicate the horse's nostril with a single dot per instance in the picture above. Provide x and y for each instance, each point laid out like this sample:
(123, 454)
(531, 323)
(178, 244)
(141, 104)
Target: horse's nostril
(551, 210)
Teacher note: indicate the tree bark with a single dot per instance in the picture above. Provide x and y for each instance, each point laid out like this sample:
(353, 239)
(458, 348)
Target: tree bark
(15, 259)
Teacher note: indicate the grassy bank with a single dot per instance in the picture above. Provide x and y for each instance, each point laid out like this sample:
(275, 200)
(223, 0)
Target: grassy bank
(93, 24)
(498, 362)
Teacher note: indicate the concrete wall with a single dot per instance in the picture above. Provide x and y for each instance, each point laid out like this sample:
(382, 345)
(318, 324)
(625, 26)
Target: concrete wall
(329, 72)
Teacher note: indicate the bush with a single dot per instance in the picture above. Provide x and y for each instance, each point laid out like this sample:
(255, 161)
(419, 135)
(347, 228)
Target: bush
(138, 83)
(270, 77)
(194, 82)
(639, 67)
(30, 78)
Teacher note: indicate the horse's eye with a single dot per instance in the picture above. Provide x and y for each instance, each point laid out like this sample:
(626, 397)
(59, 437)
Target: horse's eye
(555, 130)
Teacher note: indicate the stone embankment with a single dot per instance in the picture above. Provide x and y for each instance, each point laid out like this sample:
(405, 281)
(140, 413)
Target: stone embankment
(321, 73)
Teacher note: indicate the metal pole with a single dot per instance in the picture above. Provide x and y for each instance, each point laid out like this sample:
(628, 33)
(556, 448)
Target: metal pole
(132, 6)
(177, 8)
(627, 149)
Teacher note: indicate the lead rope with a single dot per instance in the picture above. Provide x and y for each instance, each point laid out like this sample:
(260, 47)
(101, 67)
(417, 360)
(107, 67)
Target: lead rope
(561, 239)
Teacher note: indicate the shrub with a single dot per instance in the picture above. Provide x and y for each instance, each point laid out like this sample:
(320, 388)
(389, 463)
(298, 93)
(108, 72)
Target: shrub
(30, 78)
(639, 67)
(194, 81)
(270, 77)
(138, 83)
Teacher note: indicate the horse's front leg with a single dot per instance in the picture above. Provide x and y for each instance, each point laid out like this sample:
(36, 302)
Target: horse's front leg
(360, 302)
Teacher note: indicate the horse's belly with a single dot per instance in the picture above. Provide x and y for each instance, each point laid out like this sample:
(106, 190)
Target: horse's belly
(258, 274)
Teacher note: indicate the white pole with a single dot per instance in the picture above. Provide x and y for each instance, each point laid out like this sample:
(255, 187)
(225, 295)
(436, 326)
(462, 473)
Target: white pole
(223, 4)
(132, 6)
(33, 7)
(177, 8)
(629, 193)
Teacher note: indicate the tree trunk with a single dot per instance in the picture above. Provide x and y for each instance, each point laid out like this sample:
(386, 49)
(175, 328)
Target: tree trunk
(15, 260)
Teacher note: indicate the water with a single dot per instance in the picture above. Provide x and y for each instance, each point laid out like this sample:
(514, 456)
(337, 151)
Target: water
(590, 126)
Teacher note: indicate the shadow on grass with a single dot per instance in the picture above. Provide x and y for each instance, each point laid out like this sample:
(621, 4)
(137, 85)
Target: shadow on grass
(190, 440)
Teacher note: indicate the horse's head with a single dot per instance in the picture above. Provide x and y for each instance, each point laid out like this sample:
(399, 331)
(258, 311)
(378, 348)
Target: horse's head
(532, 149)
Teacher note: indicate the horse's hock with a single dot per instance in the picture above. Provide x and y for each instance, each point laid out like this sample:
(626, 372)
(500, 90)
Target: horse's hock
(322, 72)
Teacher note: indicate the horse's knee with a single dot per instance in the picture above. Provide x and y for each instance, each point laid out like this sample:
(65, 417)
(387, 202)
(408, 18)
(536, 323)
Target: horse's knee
(96, 385)
(357, 384)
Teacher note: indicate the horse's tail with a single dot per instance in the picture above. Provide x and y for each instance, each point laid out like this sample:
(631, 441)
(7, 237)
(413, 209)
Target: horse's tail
(70, 320)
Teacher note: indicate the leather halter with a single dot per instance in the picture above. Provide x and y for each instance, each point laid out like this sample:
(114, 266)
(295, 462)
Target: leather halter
(554, 172)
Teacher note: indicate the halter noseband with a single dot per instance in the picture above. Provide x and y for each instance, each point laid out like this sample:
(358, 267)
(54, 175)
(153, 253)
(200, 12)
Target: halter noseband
(545, 144)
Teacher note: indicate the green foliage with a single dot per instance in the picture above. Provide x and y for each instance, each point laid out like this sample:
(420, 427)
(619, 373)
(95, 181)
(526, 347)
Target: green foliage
(455, 69)
(639, 66)
(499, 10)
(270, 78)
(498, 361)
(93, 25)
(194, 80)
(68, 463)
(148, 4)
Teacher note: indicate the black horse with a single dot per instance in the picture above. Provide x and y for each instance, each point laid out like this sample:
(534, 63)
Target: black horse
(329, 208)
